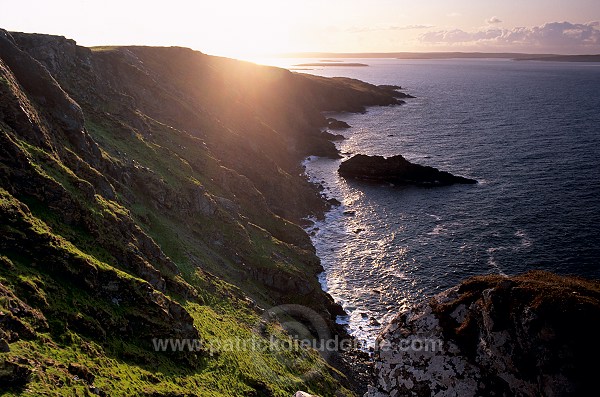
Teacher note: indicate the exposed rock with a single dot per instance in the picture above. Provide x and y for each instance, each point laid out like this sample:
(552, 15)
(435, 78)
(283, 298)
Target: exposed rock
(82, 372)
(303, 394)
(13, 374)
(112, 157)
(333, 137)
(527, 335)
(335, 202)
(161, 316)
(15, 321)
(38, 81)
(319, 146)
(396, 170)
(4, 346)
(394, 90)
(333, 94)
(334, 124)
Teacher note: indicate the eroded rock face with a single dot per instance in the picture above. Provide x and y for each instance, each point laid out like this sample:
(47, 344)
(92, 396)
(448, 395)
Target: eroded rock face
(397, 170)
(41, 85)
(527, 335)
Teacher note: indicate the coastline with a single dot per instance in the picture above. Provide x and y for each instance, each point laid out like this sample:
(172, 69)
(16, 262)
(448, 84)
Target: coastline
(357, 363)
(157, 202)
(186, 185)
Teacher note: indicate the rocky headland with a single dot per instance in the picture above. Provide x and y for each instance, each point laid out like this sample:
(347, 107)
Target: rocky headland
(156, 193)
(529, 335)
(398, 171)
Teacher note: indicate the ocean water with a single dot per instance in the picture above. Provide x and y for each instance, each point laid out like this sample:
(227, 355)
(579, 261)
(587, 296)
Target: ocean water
(529, 132)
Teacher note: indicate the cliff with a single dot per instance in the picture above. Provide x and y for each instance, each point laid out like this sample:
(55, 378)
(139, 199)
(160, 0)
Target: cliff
(528, 335)
(156, 193)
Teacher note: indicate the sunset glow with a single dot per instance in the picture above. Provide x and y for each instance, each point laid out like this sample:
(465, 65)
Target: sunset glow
(265, 27)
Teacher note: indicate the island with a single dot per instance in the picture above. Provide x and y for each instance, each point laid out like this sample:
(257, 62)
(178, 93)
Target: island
(339, 63)
(397, 170)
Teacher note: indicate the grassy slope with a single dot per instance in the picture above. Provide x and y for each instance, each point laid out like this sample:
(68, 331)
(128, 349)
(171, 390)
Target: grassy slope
(67, 241)
(127, 366)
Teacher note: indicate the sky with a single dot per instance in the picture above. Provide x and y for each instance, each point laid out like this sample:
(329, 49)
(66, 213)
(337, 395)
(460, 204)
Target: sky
(255, 28)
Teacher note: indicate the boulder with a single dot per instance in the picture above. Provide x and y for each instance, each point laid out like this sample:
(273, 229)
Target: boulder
(13, 375)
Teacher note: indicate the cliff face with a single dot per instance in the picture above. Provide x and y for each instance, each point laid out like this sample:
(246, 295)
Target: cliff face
(529, 335)
(156, 193)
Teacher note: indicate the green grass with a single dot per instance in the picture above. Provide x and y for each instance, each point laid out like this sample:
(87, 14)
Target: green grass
(129, 367)
(64, 268)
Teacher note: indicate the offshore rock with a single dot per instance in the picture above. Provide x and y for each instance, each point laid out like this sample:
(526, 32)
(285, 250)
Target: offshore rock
(528, 335)
(334, 124)
(397, 170)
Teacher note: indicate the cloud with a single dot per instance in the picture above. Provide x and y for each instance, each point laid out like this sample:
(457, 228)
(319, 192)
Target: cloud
(388, 28)
(554, 35)
(493, 20)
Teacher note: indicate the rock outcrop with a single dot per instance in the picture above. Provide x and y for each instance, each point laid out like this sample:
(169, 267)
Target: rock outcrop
(528, 335)
(334, 124)
(397, 170)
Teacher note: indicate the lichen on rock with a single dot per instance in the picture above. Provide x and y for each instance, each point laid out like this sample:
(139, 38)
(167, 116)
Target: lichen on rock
(528, 335)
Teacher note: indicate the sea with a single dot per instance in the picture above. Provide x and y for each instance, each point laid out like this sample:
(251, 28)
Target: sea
(528, 131)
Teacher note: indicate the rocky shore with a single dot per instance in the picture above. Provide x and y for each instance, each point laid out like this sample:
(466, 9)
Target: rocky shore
(151, 193)
(156, 193)
(529, 335)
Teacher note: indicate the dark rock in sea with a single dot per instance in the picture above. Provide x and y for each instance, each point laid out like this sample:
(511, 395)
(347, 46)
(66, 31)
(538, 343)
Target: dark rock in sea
(320, 146)
(359, 230)
(390, 87)
(334, 202)
(333, 137)
(397, 170)
(350, 213)
(334, 124)
(394, 90)
(529, 335)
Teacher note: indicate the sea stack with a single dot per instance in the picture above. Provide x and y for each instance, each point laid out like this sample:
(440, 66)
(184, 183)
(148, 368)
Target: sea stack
(397, 170)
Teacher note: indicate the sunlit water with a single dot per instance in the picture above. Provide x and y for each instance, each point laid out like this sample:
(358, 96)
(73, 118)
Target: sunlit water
(528, 131)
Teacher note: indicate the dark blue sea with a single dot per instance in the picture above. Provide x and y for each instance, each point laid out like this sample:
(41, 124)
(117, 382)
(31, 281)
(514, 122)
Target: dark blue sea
(529, 132)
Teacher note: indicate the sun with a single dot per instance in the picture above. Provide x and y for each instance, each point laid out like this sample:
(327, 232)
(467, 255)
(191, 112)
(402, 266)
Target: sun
(251, 29)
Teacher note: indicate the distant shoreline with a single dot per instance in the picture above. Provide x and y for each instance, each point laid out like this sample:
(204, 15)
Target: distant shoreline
(332, 63)
(330, 57)
(565, 58)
